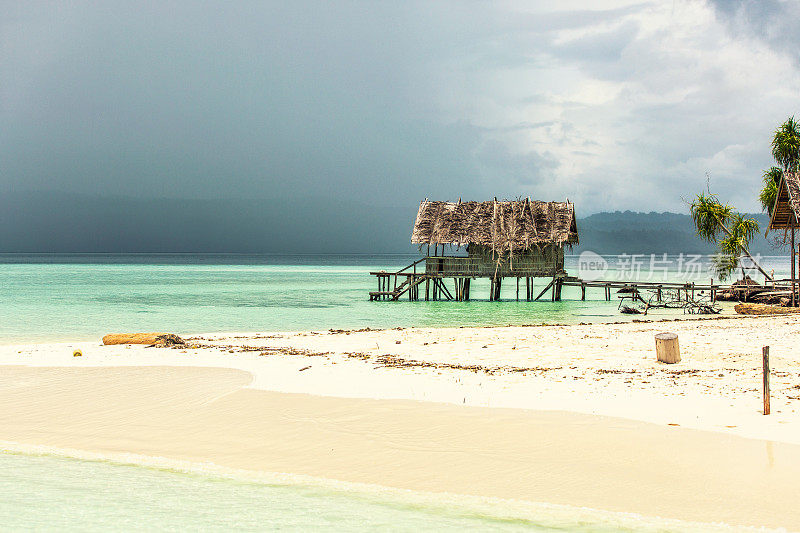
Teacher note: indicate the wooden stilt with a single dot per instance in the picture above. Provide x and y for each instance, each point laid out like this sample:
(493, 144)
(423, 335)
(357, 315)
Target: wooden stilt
(445, 290)
(583, 291)
(495, 284)
(517, 288)
(543, 291)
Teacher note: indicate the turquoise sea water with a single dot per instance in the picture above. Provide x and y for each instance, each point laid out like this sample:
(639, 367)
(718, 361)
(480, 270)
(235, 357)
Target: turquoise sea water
(86, 296)
(54, 493)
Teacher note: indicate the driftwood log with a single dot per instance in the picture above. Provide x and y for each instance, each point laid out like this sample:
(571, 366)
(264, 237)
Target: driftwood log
(762, 309)
(667, 349)
(158, 339)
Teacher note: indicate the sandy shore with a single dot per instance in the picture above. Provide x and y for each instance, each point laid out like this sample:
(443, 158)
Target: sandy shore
(579, 415)
(208, 414)
(602, 369)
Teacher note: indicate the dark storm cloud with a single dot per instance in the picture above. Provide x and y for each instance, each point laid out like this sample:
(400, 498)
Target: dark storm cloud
(203, 100)
(334, 114)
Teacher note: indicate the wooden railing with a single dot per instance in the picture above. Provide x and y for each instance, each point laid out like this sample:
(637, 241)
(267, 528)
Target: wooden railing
(482, 267)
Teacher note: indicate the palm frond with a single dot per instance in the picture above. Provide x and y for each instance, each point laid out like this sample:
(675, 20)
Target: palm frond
(709, 216)
(772, 178)
(724, 265)
(743, 228)
(786, 145)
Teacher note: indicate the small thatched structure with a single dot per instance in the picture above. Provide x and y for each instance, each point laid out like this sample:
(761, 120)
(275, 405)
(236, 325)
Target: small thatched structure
(519, 238)
(786, 211)
(522, 239)
(785, 216)
(503, 226)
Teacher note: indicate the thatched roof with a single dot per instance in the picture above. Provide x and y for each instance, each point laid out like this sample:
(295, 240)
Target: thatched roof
(787, 203)
(504, 225)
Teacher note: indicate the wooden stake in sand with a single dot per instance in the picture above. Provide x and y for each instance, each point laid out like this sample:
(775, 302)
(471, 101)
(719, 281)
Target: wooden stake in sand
(667, 349)
(765, 357)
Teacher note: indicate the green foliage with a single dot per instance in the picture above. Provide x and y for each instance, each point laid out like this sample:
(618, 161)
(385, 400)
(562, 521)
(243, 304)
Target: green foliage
(786, 145)
(742, 231)
(772, 179)
(709, 216)
(724, 265)
(786, 151)
(731, 231)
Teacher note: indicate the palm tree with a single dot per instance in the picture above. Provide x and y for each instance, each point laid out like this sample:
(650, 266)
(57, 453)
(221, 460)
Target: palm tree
(786, 151)
(730, 231)
(786, 145)
(772, 179)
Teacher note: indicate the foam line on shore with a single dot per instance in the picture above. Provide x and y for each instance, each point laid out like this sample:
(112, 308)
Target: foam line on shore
(543, 514)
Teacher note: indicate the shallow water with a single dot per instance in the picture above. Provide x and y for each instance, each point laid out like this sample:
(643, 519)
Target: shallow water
(62, 297)
(84, 297)
(49, 492)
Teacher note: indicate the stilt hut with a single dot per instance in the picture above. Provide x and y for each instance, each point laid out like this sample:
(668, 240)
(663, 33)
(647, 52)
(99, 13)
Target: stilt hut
(522, 239)
(785, 216)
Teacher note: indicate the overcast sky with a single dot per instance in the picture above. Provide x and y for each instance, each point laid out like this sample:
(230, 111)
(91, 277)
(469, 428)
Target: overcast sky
(615, 105)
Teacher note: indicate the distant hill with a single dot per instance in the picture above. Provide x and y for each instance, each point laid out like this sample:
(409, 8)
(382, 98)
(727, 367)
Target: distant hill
(53, 222)
(635, 233)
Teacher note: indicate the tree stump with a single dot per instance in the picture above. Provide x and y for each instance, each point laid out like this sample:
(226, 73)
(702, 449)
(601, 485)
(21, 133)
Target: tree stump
(667, 349)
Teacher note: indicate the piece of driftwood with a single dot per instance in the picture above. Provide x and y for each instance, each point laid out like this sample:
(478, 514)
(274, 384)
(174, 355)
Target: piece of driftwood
(763, 309)
(151, 339)
(667, 349)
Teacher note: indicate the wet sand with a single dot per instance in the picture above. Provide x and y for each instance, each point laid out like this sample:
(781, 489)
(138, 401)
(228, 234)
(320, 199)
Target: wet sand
(209, 415)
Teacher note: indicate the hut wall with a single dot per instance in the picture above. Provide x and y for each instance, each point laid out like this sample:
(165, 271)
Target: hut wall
(481, 261)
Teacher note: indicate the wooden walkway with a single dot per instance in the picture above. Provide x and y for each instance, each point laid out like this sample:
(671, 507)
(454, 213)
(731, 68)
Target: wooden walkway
(412, 280)
(395, 285)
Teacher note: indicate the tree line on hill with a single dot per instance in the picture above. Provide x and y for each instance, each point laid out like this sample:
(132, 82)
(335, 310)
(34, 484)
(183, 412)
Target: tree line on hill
(72, 223)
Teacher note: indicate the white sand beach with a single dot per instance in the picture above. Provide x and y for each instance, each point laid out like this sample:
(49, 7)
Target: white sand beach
(580, 415)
